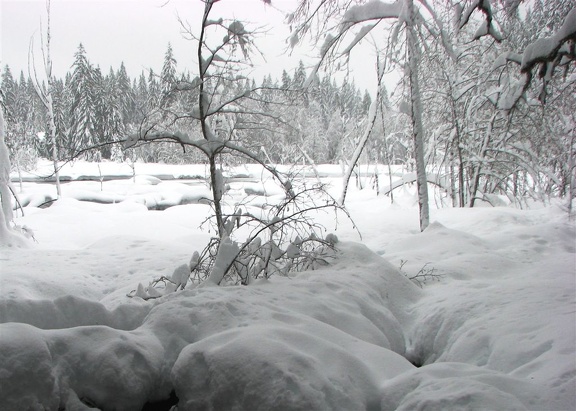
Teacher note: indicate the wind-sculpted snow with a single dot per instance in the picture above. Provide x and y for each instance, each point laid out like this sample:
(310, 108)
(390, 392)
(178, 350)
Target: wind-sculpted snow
(497, 331)
(332, 332)
(329, 339)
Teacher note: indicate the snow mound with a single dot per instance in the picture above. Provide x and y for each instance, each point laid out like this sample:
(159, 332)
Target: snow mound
(263, 368)
(457, 386)
(320, 340)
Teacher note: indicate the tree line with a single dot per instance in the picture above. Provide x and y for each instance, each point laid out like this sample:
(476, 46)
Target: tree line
(93, 110)
(487, 113)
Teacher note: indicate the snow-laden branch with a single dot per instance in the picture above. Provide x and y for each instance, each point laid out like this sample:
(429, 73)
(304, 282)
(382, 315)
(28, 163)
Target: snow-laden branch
(487, 27)
(373, 10)
(546, 52)
(547, 49)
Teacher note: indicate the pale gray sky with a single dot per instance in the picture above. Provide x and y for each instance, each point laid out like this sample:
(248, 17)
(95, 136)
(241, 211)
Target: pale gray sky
(137, 32)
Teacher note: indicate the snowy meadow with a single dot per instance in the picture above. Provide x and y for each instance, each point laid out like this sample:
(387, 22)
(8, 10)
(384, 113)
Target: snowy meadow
(488, 323)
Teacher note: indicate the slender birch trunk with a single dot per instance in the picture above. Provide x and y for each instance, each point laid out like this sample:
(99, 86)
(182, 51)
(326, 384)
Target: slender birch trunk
(416, 114)
(372, 114)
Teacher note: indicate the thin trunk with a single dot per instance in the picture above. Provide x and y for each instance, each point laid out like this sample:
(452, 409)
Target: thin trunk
(52, 131)
(451, 174)
(387, 155)
(217, 190)
(20, 182)
(417, 128)
(571, 173)
(50, 106)
(6, 214)
(46, 97)
(203, 103)
(360, 147)
(477, 171)
(372, 113)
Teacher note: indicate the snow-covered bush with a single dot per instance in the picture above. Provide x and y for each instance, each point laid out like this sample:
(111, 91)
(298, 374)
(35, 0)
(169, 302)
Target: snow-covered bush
(284, 238)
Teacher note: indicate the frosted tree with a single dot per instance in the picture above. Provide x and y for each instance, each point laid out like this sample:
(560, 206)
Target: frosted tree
(82, 115)
(20, 127)
(221, 111)
(46, 96)
(404, 15)
(125, 95)
(8, 235)
(168, 79)
(228, 104)
(544, 55)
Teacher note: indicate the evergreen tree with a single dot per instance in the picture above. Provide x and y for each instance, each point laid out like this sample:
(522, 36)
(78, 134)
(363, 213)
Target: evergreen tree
(9, 92)
(82, 111)
(141, 99)
(286, 80)
(125, 95)
(299, 76)
(154, 91)
(168, 79)
(366, 101)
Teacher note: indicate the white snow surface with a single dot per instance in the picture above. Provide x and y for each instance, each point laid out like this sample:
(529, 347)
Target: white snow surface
(496, 332)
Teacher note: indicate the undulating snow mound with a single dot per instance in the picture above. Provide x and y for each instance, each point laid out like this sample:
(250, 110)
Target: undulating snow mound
(329, 337)
(498, 331)
(511, 305)
(459, 386)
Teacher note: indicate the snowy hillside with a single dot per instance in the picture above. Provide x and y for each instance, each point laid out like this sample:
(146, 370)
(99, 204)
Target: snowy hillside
(493, 328)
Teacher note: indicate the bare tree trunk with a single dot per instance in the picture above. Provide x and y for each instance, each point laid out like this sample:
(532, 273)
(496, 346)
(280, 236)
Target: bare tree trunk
(483, 151)
(216, 182)
(47, 101)
(52, 129)
(571, 173)
(372, 112)
(50, 106)
(416, 114)
(387, 152)
(5, 195)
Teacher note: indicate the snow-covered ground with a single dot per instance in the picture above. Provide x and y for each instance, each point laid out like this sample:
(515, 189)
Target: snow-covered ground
(497, 330)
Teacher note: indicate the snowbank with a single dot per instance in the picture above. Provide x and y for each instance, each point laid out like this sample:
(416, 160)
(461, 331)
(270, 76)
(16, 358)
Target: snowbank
(497, 331)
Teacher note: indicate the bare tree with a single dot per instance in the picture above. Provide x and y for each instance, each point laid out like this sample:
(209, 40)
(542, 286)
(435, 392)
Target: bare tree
(46, 95)
(282, 238)
(369, 15)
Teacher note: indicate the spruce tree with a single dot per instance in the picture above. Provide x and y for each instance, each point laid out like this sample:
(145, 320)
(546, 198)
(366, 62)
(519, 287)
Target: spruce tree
(82, 112)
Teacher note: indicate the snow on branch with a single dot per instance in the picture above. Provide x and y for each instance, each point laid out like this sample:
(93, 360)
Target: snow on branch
(548, 53)
(487, 28)
(503, 58)
(547, 49)
(373, 10)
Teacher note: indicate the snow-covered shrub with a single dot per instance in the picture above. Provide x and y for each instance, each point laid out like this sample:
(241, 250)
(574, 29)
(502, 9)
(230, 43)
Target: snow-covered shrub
(280, 239)
(285, 238)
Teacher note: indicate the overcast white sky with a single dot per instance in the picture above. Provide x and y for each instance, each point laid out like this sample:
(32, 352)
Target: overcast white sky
(137, 33)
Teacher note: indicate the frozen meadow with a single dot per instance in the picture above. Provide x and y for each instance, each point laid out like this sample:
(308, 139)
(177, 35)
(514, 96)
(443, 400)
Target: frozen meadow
(494, 329)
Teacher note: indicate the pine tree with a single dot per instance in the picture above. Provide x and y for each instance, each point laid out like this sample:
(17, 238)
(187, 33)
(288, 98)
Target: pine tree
(82, 112)
(141, 99)
(125, 95)
(154, 91)
(299, 76)
(9, 92)
(286, 80)
(168, 78)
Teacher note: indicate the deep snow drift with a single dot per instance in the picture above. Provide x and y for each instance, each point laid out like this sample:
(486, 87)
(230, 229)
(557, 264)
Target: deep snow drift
(497, 331)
